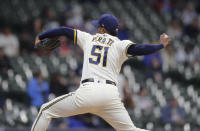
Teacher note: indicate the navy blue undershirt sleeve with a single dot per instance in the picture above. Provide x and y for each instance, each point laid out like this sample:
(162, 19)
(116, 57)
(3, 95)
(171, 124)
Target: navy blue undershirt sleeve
(143, 49)
(58, 32)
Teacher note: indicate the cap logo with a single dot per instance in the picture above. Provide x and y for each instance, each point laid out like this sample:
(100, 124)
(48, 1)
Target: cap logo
(103, 25)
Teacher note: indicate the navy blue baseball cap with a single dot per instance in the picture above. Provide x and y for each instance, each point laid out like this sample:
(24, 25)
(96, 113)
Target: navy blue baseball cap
(107, 21)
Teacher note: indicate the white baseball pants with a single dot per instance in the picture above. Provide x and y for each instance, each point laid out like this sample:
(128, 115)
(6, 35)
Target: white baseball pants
(99, 99)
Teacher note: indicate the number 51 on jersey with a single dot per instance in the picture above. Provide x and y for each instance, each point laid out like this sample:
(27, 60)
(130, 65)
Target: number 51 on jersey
(99, 51)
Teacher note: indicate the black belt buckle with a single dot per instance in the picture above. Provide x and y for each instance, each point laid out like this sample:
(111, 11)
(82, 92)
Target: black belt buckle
(92, 80)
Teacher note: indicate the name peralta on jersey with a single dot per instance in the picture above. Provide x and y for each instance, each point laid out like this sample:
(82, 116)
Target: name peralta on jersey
(103, 55)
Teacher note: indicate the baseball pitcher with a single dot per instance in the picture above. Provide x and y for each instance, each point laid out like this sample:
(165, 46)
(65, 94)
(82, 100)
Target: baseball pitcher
(98, 94)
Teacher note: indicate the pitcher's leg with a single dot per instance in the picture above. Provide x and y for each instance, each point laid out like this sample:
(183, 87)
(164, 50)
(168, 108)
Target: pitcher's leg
(60, 107)
(119, 119)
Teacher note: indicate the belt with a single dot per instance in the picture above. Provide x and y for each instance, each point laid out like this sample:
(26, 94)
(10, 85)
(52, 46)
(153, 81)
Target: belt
(92, 80)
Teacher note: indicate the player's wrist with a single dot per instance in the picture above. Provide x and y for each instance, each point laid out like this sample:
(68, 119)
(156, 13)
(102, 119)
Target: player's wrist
(37, 40)
(165, 44)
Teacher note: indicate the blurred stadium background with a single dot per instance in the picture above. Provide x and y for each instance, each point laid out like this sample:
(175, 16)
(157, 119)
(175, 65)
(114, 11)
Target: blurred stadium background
(161, 91)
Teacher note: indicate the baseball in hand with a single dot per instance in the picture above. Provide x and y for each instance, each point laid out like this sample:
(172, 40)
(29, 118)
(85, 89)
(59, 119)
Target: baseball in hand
(164, 39)
(166, 36)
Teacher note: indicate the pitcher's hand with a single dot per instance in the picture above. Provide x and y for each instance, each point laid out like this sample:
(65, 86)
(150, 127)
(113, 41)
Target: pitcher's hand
(164, 39)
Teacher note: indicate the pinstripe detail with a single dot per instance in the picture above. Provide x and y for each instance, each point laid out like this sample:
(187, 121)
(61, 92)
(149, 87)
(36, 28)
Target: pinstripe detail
(70, 94)
(75, 36)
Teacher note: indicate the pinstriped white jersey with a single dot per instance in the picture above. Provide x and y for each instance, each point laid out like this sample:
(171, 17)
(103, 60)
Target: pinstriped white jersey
(103, 55)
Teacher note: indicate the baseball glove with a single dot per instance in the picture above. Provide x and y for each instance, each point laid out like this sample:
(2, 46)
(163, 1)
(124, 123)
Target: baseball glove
(48, 44)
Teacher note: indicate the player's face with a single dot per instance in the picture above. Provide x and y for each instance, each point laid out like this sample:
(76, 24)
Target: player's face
(102, 30)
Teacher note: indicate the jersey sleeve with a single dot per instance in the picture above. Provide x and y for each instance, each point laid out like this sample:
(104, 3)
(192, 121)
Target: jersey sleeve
(123, 47)
(81, 38)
